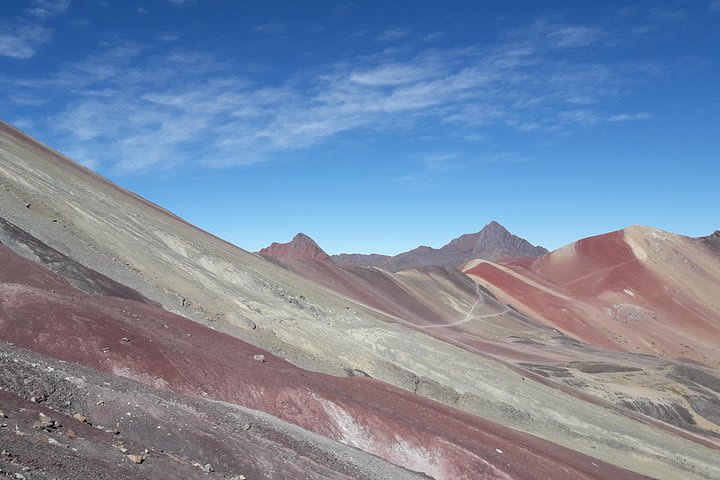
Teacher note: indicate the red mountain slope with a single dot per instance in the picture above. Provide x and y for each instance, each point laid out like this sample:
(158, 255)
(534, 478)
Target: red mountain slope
(415, 295)
(638, 290)
(41, 312)
(301, 247)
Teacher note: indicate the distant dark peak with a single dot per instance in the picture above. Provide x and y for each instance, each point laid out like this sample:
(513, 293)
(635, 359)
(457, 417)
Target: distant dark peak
(491, 243)
(495, 241)
(714, 237)
(470, 241)
(497, 228)
(494, 226)
(713, 241)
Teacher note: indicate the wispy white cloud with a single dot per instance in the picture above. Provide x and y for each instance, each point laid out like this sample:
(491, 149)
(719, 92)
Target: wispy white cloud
(644, 29)
(579, 117)
(48, 8)
(23, 99)
(391, 34)
(575, 36)
(626, 117)
(168, 37)
(129, 108)
(714, 6)
(660, 14)
(388, 75)
(551, 32)
(21, 41)
(433, 36)
(428, 170)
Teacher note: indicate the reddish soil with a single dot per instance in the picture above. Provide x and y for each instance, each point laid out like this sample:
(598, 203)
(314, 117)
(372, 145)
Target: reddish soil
(373, 287)
(599, 292)
(300, 247)
(558, 312)
(166, 351)
(17, 269)
(177, 433)
(390, 297)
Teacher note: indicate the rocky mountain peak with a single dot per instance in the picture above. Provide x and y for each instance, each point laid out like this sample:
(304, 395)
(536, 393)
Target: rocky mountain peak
(494, 241)
(494, 225)
(301, 247)
(302, 239)
(712, 241)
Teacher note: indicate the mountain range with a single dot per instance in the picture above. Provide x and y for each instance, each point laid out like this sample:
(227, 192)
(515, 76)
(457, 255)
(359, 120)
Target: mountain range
(491, 243)
(136, 345)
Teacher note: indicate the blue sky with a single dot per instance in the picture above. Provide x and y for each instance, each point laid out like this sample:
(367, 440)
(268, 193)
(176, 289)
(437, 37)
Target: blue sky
(378, 126)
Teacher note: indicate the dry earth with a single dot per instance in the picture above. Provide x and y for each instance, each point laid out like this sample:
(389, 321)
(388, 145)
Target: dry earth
(143, 247)
(448, 305)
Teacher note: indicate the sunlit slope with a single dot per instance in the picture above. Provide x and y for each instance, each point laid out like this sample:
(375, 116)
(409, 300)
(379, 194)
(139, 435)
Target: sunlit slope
(204, 278)
(639, 290)
(447, 305)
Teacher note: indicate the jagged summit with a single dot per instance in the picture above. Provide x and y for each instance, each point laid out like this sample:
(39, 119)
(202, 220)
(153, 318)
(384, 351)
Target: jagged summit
(494, 241)
(713, 241)
(301, 247)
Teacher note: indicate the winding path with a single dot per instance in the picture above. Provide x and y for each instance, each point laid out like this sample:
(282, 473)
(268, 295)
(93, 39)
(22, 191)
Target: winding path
(469, 315)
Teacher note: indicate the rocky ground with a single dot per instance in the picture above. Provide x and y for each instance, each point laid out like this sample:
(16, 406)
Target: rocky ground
(39, 311)
(62, 420)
